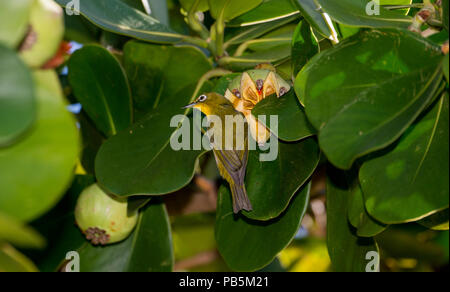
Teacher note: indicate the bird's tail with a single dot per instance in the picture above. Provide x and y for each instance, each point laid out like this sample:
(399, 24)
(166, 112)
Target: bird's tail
(240, 198)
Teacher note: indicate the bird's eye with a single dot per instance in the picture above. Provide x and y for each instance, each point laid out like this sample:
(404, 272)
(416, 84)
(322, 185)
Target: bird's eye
(202, 98)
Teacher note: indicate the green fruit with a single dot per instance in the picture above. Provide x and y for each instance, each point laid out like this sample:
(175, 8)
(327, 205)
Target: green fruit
(45, 33)
(103, 218)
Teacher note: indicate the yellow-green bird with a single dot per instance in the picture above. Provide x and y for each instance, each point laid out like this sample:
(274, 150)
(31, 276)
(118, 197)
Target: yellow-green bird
(231, 161)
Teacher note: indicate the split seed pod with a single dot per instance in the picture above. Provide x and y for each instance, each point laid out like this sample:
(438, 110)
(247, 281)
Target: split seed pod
(246, 90)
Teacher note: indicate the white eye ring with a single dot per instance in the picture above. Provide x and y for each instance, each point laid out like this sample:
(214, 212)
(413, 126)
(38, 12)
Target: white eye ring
(202, 98)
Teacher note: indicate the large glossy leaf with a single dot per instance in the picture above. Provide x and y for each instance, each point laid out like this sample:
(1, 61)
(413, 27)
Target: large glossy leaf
(140, 160)
(312, 13)
(157, 73)
(359, 218)
(17, 101)
(148, 249)
(239, 35)
(158, 9)
(117, 17)
(269, 10)
(347, 251)
(229, 9)
(37, 170)
(19, 234)
(100, 85)
(304, 46)
(248, 245)
(14, 21)
(410, 181)
(354, 13)
(357, 115)
(272, 184)
(292, 122)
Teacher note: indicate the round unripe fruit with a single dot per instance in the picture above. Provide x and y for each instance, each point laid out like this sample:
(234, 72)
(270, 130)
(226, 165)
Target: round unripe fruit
(45, 33)
(103, 219)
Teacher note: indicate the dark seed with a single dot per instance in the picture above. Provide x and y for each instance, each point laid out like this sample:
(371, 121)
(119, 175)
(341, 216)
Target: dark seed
(237, 93)
(283, 91)
(259, 84)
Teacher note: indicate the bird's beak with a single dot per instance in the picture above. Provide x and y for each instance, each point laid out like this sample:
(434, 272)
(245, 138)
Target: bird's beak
(191, 105)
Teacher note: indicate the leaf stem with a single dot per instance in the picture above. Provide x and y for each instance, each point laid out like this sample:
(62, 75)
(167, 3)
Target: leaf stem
(196, 41)
(195, 24)
(395, 7)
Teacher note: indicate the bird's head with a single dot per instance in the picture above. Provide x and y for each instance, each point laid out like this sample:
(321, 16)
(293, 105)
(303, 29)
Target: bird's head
(212, 104)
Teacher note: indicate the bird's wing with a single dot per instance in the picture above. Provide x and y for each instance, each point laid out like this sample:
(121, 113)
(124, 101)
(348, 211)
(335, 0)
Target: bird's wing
(232, 164)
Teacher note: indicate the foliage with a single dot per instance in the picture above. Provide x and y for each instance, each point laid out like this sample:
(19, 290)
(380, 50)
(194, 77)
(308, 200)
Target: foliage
(368, 113)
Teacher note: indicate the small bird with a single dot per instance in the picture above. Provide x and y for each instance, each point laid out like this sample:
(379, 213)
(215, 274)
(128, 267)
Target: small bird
(231, 161)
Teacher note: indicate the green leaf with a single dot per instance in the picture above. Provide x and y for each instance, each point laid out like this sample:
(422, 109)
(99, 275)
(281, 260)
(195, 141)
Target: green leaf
(304, 46)
(14, 21)
(292, 122)
(311, 12)
(239, 35)
(252, 59)
(117, 17)
(445, 65)
(158, 9)
(202, 6)
(157, 73)
(437, 221)
(80, 30)
(12, 260)
(17, 101)
(445, 8)
(410, 180)
(282, 177)
(100, 85)
(230, 9)
(193, 234)
(348, 252)
(354, 13)
(359, 218)
(18, 234)
(268, 11)
(279, 37)
(348, 31)
(248, 245)
(353, 107)
(148, 249)
(37, 170)
(404, 11)
(140, 160)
